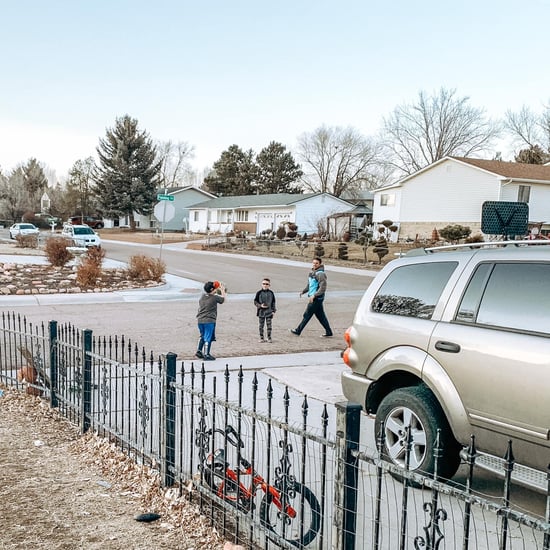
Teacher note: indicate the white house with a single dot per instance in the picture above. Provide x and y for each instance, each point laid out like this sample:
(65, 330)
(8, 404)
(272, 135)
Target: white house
(258, 213)
(453, 190)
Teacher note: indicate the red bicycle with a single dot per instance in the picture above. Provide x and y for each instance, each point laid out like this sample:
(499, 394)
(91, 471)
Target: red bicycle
(288, 508)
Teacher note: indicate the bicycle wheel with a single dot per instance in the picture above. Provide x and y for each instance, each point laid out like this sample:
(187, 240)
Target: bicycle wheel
(292, 529)
(215, 477)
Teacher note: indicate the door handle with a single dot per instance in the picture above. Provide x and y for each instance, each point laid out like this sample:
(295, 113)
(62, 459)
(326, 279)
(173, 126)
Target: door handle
(449, 347)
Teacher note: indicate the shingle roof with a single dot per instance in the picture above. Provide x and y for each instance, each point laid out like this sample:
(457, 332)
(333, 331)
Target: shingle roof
(514, 170)
(242, 201)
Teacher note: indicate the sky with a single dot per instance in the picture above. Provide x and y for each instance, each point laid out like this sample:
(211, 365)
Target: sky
(248, 72)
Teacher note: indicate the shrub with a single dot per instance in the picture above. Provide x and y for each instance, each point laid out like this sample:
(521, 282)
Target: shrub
(56, 251)
(144, 268)
(454, 233)
(477, 238)
(89, 270)
(26, 241)
(319, 250)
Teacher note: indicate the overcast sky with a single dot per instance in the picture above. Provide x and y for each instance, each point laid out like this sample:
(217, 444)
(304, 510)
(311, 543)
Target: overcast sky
(248, 72)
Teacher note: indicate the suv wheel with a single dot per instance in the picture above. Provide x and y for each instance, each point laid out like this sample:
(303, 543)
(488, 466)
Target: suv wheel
(416, 408)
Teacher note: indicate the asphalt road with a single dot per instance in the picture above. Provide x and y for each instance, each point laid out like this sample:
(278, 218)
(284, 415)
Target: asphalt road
(241, 273)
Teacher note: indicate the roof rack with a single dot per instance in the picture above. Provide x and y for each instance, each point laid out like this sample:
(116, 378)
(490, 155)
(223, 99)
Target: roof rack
(473, 246)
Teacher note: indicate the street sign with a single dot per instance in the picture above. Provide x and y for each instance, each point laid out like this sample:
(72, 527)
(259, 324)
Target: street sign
(165, 197)
(164, 211)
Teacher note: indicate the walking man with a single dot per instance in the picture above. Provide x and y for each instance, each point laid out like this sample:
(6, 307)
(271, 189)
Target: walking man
(315, 290)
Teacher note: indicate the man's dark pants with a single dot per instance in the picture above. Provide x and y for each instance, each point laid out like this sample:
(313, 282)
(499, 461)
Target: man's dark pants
(315, 308)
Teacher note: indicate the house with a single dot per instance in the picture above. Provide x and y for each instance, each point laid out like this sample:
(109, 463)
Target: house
(258, 213)
(183, 198)
(453, 190)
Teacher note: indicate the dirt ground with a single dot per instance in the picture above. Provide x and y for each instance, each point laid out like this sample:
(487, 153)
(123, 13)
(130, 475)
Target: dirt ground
(62, 491)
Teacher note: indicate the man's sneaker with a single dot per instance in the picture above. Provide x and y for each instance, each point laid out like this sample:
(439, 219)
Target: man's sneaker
(261, 340)
(269, 341)
(294, 331)
(327, 335)
(209, 357)
(199, 355)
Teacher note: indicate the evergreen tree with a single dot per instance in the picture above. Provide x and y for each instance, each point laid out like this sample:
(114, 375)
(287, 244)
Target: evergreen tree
(235, 173)
(34, 181)
(128, 175)
(278, 172)
(534, 154)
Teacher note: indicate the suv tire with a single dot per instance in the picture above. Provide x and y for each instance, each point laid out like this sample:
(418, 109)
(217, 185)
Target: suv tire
(417, 408)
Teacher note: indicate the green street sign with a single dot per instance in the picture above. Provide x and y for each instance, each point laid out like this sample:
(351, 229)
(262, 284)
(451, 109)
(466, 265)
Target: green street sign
(165, 197)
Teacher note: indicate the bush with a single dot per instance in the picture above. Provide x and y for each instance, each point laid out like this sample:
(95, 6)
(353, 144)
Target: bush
(56, 251)
(144, 268)
(89, 270)
(454, 233)
(26, 241)
(477, 238)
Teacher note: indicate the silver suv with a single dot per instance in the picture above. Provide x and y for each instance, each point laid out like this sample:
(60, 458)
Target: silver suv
(457, 339)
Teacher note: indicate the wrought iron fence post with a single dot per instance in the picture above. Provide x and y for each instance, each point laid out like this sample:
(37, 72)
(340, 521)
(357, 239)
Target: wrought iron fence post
(85, 420)
(168, 452)
(53, 363)
(348, 422)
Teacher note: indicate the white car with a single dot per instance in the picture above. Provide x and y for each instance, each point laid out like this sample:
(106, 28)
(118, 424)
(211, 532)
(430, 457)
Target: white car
(82, 235)
(23, 229)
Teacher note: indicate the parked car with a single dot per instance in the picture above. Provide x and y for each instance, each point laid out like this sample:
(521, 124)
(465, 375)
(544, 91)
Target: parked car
(82, 235)
(94, 223)
(23, 229)
(456, 339)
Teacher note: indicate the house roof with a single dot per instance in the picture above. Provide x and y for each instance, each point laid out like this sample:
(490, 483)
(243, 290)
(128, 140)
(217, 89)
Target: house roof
(513, 170)
(174, 190)
(269, 200)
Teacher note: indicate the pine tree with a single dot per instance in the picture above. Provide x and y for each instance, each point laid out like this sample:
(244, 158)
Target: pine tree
(128, 176)
(235, 173)
(278, 172)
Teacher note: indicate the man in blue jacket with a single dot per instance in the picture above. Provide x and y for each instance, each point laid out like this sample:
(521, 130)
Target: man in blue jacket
(315, 290)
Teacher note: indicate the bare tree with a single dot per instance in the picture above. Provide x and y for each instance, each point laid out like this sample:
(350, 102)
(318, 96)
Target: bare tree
(418, 134)
(337, 160)
(174, 157)
(530, 131)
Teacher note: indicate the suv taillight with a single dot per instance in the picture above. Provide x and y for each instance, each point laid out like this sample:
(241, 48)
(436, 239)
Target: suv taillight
(345, 353)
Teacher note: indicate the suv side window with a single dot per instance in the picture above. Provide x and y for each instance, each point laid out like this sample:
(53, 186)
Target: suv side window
(413, 290)
(508, 295)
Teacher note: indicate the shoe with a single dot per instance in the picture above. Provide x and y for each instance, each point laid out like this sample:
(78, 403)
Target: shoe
(327, 335)
(294, 331)
(199, 355)
(209, 357)
(261, 340)
(269, 341)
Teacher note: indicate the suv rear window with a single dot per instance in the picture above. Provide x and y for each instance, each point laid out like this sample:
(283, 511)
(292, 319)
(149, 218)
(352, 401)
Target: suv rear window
(413, 290)
(508, 295)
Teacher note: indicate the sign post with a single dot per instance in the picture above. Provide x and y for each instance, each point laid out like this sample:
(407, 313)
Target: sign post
(164, 211)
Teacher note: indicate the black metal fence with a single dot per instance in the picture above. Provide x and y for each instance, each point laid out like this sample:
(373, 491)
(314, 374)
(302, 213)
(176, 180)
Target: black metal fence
(270, 468)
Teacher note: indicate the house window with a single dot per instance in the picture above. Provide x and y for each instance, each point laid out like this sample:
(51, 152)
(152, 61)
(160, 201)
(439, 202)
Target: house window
(387, 199)
(196, 216)
(242, 215)
(523, 193)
